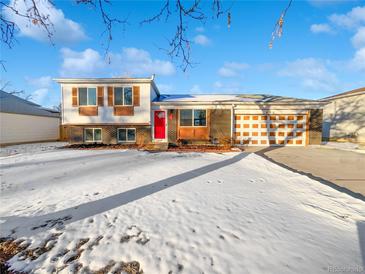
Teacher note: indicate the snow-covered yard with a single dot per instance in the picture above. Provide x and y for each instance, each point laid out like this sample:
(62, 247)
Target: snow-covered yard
(175, 213)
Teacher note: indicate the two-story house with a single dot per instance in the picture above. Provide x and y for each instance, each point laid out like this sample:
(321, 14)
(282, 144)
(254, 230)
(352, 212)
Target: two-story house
(107, 110)
(131, 110)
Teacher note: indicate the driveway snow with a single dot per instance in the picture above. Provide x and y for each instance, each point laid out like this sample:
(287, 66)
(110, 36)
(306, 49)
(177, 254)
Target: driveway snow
(184, 213)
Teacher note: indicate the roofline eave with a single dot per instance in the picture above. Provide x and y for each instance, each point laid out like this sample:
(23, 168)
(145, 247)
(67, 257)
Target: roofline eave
(316, 103)
(107, 81)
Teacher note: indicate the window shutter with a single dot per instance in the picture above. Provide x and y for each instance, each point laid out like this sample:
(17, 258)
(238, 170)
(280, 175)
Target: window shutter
(110, 96)
(101, 96)
(136, 95)
(74, 97)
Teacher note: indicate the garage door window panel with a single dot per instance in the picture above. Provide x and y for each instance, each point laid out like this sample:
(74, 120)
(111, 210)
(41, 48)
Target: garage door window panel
(284, 129)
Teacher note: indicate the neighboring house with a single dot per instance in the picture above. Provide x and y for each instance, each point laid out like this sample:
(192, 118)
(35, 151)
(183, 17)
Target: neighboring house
(131, 110)
(22, 121)
(344, 116)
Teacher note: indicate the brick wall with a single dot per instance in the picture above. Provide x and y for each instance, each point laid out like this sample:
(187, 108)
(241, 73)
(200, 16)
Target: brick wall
(220, 124)
(172, 125)
(108, 134)
(315, 126)
(76, 135)
(219, 127)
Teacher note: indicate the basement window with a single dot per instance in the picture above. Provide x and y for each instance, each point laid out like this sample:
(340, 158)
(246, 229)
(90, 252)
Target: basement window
(193, 117)
(92, 135)
(126, 134)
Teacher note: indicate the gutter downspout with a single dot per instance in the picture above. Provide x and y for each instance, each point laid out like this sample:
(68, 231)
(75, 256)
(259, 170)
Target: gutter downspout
(62, 106)
(60, 128)
(232, 122)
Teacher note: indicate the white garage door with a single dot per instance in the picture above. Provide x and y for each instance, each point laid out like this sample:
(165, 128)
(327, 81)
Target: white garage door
(20, 128)
(265, 130)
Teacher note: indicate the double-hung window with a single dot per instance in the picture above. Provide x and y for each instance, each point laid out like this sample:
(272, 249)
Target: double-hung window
(123, 96)
(92, 135)
(126, 134)
(87, 96)
(193, 117)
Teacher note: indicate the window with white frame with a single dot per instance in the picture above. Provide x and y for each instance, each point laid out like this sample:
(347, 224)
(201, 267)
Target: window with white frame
(193, 117)
(123, 96)
(92, 135)
(87, 96)
(126, 134)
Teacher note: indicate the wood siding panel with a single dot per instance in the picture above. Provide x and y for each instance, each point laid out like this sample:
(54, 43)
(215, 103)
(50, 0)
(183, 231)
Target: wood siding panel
(123, 110)
(201, 133)
(186, 133)
(110, 96)
(194, 133)
(100, 96)
(74, 97)
(136, 96)
(88, 111)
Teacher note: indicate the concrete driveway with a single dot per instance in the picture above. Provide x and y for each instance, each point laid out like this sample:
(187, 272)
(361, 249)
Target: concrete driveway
(342, 169)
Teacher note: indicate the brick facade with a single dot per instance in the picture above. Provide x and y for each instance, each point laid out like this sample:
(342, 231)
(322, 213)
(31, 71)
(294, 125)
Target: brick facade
(220, 124)
(172, 125)
(75, 133)
(315, 126)
(219, 129)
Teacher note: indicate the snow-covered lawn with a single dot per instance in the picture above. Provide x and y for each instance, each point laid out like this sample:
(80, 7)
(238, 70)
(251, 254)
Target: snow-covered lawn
(175, 213)
(30, 148)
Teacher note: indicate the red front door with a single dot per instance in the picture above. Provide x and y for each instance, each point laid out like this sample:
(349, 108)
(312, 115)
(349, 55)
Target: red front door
(159, 122)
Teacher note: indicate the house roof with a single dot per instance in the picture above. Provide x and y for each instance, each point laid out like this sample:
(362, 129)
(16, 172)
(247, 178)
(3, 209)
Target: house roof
(113, 80)
(230, 99)
(353, 92)
(13, 104)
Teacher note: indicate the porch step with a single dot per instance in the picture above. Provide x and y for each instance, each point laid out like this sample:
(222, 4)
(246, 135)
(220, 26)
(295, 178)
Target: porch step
(158, 146)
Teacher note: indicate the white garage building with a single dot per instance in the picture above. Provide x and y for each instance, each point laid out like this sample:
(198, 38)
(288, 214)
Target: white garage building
(344, 116)
(22, 121)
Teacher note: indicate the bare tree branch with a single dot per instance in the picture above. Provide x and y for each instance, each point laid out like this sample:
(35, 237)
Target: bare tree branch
(278, 28)
(32, 13)
(164, 10)
(179, 44)
(6, 87)
(7, 31)
(108, 21)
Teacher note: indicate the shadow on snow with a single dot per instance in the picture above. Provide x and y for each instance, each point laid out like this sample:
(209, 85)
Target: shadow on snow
(25, 226)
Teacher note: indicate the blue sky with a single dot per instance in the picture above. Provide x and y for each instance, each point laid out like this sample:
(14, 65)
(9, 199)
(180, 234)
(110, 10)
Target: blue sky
(322, 50)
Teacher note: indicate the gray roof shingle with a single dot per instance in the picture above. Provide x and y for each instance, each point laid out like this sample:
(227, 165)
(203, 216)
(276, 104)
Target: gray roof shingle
(13, 104)
(243, 98)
